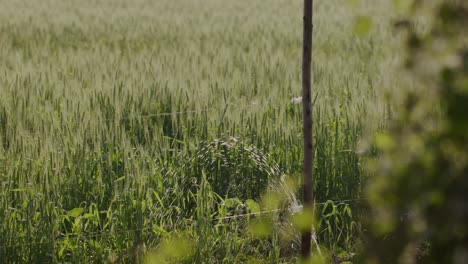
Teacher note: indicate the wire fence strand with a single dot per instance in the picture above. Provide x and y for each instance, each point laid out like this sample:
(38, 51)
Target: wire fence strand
(208, 109)
(95, 235)
(162, 114)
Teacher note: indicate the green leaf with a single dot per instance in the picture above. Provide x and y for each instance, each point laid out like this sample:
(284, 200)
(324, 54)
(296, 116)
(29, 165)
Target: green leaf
(261, 228)
(384, 142)
(252, 206)
(75, 212)
(119, 179)
(171, 250)
(362, 25)
(18, 190)
(304, 220)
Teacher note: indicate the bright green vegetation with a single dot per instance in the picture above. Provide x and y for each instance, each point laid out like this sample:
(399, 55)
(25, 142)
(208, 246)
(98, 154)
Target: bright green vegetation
(426, 181)
(91, 172)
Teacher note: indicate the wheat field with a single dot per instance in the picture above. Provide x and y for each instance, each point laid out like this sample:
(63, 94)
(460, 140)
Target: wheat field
(123, 122)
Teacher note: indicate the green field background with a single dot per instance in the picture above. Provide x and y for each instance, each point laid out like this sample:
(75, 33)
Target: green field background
(123, 121)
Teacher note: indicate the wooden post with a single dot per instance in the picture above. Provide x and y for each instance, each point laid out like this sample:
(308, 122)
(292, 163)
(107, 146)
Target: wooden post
(308, 162)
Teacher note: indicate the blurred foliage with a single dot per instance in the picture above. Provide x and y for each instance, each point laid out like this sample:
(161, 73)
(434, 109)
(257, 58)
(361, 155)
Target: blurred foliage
(362, 25)
(171, 250)
(420, 188)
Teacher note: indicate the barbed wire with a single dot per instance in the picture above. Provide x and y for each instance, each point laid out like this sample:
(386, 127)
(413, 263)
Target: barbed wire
(94, 235)
(292, 209)
(225, 107)
(161, 114)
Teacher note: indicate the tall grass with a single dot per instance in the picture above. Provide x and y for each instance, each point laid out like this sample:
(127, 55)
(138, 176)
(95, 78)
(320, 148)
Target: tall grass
(90, 170)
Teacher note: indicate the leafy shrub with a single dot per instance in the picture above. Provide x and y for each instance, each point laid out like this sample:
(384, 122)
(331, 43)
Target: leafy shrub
(420, 189)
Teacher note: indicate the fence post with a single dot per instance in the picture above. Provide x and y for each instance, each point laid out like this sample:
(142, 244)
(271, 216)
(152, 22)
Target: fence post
(308, 162)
